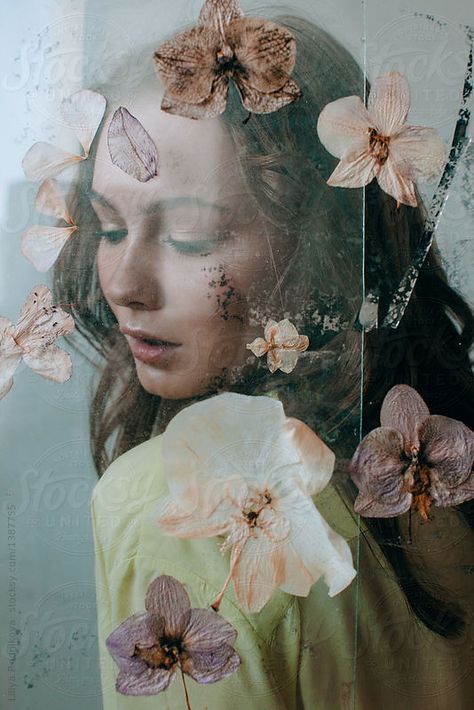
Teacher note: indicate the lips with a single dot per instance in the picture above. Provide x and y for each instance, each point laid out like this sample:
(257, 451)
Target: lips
(148, 348)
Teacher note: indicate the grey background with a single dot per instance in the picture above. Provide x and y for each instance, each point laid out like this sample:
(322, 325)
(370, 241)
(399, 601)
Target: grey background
(46, 472)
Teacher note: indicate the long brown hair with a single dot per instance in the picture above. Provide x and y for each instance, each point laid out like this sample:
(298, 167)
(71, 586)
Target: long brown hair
(286, 169)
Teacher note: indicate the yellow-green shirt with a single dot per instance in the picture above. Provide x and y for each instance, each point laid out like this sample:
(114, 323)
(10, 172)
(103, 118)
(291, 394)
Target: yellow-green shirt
(296, 652)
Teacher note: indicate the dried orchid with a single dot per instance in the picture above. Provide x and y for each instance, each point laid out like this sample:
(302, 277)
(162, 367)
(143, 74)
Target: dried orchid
(237, 466)
(43, 244)
(412, 460)
(196, 65)
(31, 339)
(376, 142)
(282, 343)
(149, 646)
(82, 111)
(130, 146)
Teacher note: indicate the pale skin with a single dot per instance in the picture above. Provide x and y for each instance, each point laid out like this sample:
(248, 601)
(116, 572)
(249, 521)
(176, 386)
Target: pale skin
(188, 256)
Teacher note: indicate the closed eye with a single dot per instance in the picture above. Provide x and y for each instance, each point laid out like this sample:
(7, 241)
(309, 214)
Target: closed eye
(113, 236)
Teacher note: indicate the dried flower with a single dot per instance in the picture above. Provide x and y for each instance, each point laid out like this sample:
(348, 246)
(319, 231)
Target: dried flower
(237, 466)
(42, 244)
(196, 65)
(83, 112)
(32, 338)
(413, 460)
(282, 343)
(376, 142)
(149, 646)
(130, 146)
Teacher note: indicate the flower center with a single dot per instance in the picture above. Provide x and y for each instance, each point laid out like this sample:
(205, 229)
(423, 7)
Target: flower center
(378, 146)
(164, 655)
(417, 482)
(255, 506)
(225, 58)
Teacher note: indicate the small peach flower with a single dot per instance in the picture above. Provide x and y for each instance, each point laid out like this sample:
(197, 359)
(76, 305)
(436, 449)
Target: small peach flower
(282, 343)
(376, 142)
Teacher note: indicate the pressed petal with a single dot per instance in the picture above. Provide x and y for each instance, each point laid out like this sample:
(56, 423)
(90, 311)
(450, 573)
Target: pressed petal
(131, 147)
(44, 160)
(418, 153)
(296, 579)
(186, 64)
(219, 13)
(257, 101)
(83, 111)
(317, 459)
(149, 681)
(371, 507)
(274, 360)
(54, 364)
(286, 333)
(342, 125)
(378, 465)
(173, 520)
(167, 598)
(50, 201)
(447, 450)
(259, 346)
(389, 102)
(41, 322)
(266, 50)
(256, 574)
(209, 666)
(404, 410)
(445, 497)
(287, 359)
(10, 356)
(356, 169)
(395, 184)
(142, 629)
(205, 630)
(42, 245)
(271, 329)
(210, 107)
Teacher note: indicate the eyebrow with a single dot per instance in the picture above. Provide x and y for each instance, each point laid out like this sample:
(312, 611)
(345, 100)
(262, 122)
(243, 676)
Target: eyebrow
(169, 202)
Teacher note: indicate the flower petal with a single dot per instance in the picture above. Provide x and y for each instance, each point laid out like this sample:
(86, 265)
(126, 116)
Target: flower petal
(143, 629)
(210, 107)
(265, 50)
(446, 497)
(257, 101)
(318, 460)
(168, 599)
(211, 665)
(287, 359)
(418, 153)
(256, 575)
(173, 520)
(285, 333)
(149, 681)
(42, 245)
(259, 346)
(404, 410)
(83, 111)
(206, 631)
(50, 201)
(219, 13)
(10, 356)
(53, 364)
(447, 450)
(44, 160)
(395, 184)
(356, 169)
(131, 147)
(342, 124)
(41, 322)
(389, 102)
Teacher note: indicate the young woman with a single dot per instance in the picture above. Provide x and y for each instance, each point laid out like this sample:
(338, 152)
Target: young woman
(240, 227)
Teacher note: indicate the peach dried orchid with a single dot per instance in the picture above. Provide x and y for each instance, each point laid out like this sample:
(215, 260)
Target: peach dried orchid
(237, 466)
(282, 343)
(82, 111)
(42, 244)
(31, 339)
(196, 65)
(376, 142)
(412, 460)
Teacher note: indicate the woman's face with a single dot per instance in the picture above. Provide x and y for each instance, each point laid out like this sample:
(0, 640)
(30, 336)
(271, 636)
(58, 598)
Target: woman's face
(180, 256)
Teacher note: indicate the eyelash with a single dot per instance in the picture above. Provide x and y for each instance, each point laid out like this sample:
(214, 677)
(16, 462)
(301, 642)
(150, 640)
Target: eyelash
(197, 248)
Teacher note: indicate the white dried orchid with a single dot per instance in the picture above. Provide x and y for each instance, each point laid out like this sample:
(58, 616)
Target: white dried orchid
(375, 142)
(82, 111)
(282, 343)
(237, 466)
(31, 339)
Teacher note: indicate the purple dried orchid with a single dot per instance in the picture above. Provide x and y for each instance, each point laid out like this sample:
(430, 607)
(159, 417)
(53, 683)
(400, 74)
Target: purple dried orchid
(149, 646)
(412, 460)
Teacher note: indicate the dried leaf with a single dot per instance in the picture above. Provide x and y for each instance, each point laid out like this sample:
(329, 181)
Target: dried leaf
(130, 146)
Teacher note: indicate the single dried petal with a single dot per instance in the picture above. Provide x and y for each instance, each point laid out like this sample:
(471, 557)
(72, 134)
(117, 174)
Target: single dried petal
(206, 631)
(418, 153)
(210, 107)
(209, 666)
(447, 450)
(378, 465)
(50, 201)
(389, 102)
(130, 146)
(270, 330)
(168, 599)
(446, 497)
(286, 333)
(219, 13)
(259, 346)
(42, 245)
(287, 359)
(404, 410)
(173, 520)
(54, 364)
(318, 460)
(274, 360)
(370, 507)
(10, 356)
(149, 681)
(44, 160)
(356, 169)
(395, 184)
(260, 102)
(256, 575)
(343, 124)
(83, 111)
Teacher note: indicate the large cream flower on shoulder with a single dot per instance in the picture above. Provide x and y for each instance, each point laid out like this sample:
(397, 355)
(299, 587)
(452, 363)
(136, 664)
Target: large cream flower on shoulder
(237, 466)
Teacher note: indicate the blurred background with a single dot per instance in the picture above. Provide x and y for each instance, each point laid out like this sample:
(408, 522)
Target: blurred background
(49, 50)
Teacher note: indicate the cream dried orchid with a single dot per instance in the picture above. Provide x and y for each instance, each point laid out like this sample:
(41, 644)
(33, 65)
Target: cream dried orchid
(237, 466)
(82, 111)
(282, 343)
(42, 244)
(196, 65)
(31, 339)
(376, 142)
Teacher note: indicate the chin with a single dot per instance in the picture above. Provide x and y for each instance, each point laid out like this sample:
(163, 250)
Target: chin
(162, 384)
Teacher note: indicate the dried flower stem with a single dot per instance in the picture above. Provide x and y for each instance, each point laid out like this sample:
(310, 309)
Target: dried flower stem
(186, 696)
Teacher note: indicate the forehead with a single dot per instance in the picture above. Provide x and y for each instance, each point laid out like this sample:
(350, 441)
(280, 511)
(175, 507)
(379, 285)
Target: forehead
(196, 158)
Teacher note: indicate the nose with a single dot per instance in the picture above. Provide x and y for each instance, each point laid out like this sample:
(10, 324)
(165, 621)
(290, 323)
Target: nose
(130, 274)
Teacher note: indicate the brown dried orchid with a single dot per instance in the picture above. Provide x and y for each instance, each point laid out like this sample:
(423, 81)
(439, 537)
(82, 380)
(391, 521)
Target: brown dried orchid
(196, 65)
(376, 142)
(412, 460)
(149, 646)
(282, 343)
(31, 339)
